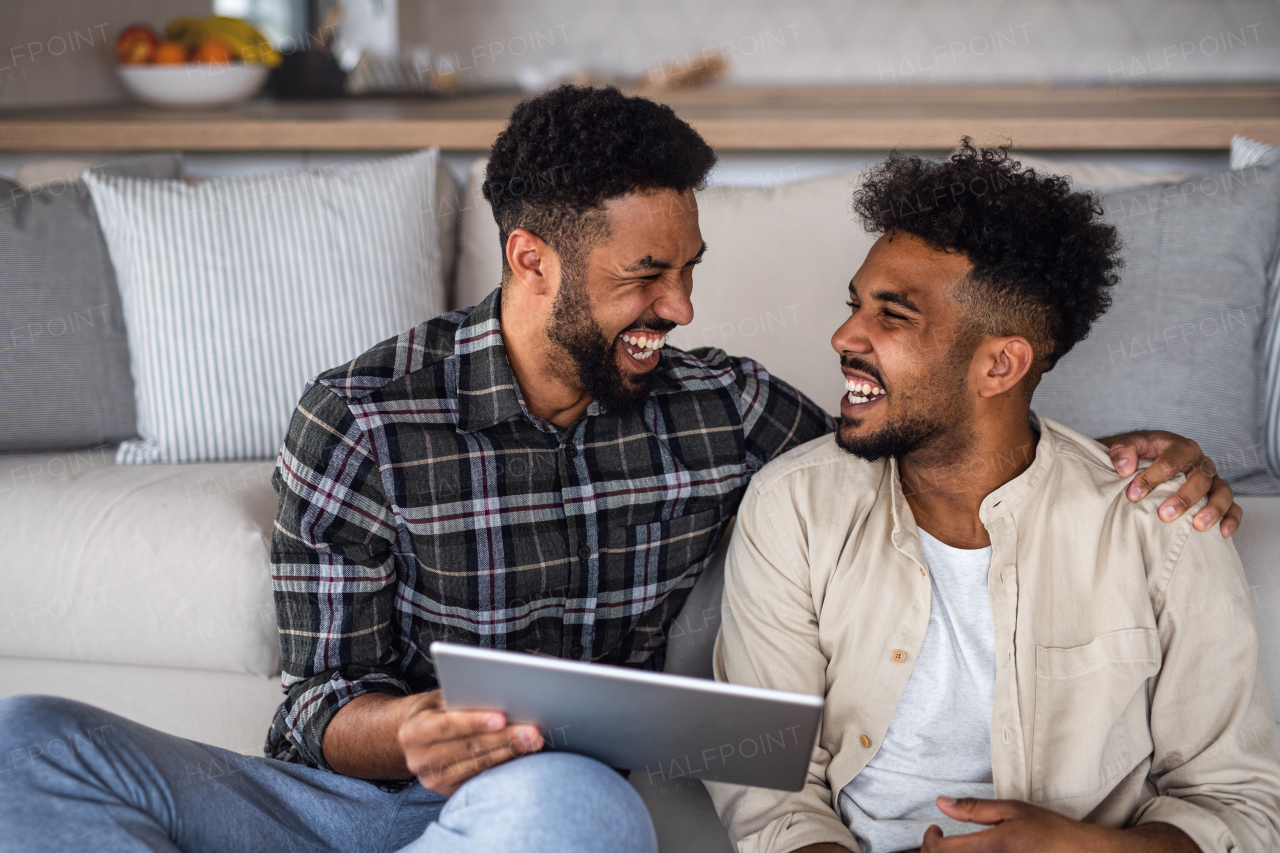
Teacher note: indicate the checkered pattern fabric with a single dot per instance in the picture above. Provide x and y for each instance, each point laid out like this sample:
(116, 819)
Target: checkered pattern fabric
(420, 500)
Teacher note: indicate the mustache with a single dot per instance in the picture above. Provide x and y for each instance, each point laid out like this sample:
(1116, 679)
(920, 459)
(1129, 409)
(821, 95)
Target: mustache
(852, 362)
(656, 325)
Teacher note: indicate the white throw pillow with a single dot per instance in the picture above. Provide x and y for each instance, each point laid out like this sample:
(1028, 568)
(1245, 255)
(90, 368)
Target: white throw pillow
(236, 291)
(1245, 153)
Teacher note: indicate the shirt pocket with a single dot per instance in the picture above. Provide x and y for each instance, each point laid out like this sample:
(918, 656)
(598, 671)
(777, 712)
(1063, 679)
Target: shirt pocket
(1091, 719)
(646, 573)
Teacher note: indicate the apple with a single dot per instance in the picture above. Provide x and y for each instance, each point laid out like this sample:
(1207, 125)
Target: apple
(136, 44)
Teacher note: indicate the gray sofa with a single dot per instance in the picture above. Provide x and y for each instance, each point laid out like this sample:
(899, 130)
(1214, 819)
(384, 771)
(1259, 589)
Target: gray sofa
(146, 589)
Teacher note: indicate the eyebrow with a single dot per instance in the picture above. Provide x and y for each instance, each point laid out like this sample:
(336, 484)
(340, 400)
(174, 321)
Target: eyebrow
(897, 299)
(648, 262)
(889, 296)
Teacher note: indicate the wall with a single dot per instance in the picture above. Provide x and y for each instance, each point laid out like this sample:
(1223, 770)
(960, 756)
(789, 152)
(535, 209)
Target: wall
(62, 52)
(876, 42)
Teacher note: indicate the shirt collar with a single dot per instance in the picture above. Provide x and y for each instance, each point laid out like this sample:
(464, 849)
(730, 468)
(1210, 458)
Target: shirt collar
(1007, 498)
(1014, 493)
(487, 392)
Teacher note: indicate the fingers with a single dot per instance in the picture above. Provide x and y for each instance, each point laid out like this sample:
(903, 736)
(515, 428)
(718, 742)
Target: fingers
(1124, 456)
(974, 810)
(1168, 464)
(1175, 455)
(1221, 498)
(444, 767)
(1231, 522)
(446, 748)
(429, 701)
(1172, 454)
(974, 842)
(430, 725)
(1200, 481)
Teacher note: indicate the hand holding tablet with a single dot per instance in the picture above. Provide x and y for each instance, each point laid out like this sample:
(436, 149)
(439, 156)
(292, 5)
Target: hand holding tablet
(668, 726)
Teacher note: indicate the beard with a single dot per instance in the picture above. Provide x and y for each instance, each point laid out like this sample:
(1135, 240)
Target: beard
(896, 438)
(920, 426)
(573, 328)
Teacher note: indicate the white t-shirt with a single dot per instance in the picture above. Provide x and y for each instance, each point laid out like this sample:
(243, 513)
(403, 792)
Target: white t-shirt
(939, 741)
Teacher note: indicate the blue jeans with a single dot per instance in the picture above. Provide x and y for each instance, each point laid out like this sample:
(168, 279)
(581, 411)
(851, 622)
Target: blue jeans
(77, 778)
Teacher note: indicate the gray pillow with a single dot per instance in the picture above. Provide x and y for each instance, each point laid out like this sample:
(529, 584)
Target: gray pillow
(64, 361)
(1181, 347)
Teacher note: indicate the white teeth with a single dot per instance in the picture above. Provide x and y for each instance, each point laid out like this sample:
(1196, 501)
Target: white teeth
(645, 342)
(862, 389)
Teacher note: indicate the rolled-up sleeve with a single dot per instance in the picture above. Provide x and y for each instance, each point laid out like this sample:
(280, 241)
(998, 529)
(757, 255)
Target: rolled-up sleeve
(1215, 765)
(333, 573)
(769, 638)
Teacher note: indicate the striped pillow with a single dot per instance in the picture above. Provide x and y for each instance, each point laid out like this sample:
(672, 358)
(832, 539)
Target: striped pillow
(1245, 153)
(237, 291)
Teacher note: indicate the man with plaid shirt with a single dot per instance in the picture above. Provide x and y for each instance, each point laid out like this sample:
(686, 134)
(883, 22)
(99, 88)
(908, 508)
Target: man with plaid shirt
(538, 473)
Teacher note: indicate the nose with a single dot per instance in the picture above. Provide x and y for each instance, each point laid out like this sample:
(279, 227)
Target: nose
(673, 302)
(850, 337)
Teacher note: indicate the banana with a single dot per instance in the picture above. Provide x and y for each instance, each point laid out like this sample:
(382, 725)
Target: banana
(189, 31)
(244, 38)
(245, 41)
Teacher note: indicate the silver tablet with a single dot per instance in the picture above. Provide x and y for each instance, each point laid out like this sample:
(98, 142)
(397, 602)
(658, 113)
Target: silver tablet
(667, 726)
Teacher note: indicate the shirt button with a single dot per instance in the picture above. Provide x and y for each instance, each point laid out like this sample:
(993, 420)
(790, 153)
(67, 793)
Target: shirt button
(898, 655)
(570, 451)
(576, 650)
(865, 741)
(1006, 734)
(584, 552)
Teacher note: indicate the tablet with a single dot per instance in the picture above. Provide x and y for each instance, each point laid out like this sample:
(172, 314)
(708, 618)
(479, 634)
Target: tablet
(670, 727)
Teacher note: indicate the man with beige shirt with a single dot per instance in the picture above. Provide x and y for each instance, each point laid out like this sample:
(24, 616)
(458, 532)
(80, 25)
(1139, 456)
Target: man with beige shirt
(1014, 656)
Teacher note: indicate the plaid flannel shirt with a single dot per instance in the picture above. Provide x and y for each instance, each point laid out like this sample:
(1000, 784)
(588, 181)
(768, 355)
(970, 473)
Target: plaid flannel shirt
(420, 500)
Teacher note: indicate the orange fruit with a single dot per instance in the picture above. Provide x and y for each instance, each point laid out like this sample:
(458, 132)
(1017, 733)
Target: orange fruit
(170, 53)
(212, 50)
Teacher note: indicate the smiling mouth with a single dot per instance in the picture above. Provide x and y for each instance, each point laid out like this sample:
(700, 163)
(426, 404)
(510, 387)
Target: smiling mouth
(862, 391)
(642, 344)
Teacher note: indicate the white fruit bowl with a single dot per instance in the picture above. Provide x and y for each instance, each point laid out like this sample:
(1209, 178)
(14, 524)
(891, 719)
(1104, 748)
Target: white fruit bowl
(194, 84)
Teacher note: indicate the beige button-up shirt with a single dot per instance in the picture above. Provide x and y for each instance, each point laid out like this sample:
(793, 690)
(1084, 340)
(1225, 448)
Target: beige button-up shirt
(1127, 685)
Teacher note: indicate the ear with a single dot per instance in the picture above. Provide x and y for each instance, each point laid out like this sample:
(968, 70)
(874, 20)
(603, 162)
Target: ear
(534, 265)
(1002, 363)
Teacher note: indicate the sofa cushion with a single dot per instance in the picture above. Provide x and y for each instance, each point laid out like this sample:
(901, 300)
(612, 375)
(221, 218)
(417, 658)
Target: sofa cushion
(64, 360)
(1181, 347)
(236, 291)
(156, 565)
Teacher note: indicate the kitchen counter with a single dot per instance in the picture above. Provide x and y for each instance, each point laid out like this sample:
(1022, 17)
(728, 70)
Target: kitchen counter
(730, 118)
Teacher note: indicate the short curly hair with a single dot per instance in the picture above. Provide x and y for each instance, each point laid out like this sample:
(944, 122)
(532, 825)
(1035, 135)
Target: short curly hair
(567, 151)
(1044, 262)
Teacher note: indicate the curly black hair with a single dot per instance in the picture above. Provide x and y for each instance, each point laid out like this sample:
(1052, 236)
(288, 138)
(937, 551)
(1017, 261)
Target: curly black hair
(1043, 261)
(567, 151)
